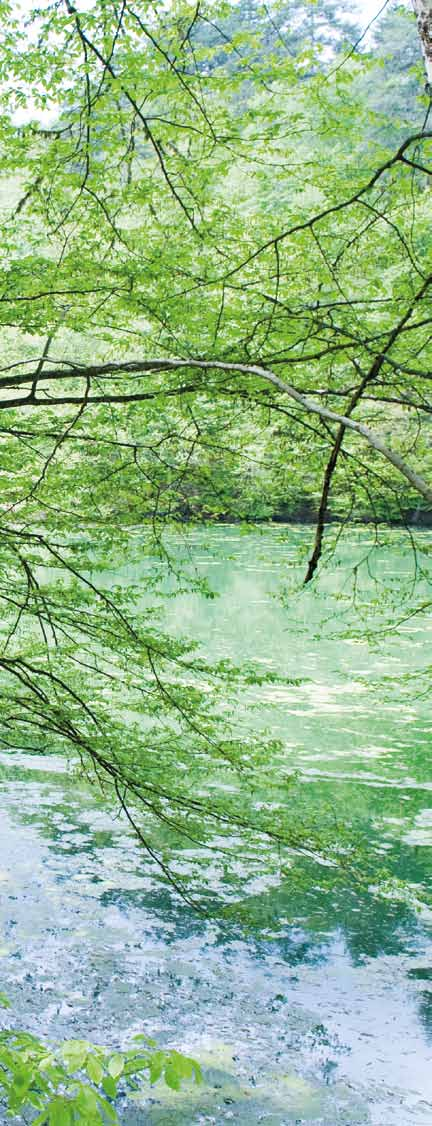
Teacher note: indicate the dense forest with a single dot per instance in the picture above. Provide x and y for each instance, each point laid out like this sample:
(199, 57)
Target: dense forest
(215, 286)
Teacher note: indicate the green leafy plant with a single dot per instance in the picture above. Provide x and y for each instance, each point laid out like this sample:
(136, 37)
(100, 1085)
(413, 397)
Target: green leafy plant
(78, 1082)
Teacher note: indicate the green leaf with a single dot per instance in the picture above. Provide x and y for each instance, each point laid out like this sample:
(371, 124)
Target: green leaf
(75, 1053)
(116, 1065)
(182, 1065)
(94, 1069)
(156, 1066)
(60, 1113)
(172, 1077)
(109, 1086)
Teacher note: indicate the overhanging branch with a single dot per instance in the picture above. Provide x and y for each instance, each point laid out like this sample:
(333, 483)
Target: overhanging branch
(256, 371)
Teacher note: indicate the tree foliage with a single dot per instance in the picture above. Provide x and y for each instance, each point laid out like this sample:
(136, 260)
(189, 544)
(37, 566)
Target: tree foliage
(78, 1082)
(215, 252)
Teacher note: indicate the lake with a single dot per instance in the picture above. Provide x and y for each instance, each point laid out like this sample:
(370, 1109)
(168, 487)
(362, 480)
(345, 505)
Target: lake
(321, 1011)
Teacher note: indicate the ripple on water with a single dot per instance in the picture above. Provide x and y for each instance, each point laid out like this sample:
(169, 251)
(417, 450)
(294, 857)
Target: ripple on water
(327, 1017)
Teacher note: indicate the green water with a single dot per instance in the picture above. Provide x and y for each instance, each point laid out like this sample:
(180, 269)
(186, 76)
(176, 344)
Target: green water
(323, 1014)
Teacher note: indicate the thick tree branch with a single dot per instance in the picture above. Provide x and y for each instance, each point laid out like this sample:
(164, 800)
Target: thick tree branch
(256, 371)
(368, 378)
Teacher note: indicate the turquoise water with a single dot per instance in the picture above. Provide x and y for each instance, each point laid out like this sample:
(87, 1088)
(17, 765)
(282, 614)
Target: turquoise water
(323, 1013)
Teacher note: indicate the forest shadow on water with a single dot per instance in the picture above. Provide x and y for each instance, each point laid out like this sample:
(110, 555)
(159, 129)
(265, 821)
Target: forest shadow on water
(318, 1007)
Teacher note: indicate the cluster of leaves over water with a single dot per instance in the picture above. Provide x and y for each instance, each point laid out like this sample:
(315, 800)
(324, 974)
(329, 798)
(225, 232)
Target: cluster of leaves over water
(78, 1082)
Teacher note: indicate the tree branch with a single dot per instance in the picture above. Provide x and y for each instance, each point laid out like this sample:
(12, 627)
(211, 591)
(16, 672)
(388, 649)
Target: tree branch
(141, 367)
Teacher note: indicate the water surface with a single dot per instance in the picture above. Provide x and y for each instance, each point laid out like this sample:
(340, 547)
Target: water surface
(321, 1015)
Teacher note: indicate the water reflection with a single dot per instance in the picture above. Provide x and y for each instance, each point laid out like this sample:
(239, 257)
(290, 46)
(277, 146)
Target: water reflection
(318, 1010)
